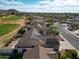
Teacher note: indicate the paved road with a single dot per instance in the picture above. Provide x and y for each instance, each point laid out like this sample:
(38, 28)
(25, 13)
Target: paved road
(70, 37)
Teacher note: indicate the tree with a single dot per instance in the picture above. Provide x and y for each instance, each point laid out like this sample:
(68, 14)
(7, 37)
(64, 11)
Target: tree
(30, 18)
(53, 31)
(22, 31)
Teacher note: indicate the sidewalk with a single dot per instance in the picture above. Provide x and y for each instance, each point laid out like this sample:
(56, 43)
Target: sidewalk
(65, 44)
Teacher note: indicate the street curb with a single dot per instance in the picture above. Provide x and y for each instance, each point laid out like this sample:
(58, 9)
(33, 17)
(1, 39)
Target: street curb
(69, 43)
(71, 32)
(62, 37)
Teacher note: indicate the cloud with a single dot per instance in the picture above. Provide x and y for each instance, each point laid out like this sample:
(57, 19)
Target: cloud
(11, 3)
(59, 2)
(42, 6)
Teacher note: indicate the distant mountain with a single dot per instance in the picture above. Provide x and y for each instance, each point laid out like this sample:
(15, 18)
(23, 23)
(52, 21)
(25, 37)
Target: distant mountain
(2, 10)
(8, 11)
(11, 10)
(56, 15)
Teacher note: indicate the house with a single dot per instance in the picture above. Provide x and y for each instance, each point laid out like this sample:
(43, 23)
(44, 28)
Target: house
(51, 41)
(40, 52)
(29, 39)
(40, 45)
(38, 19)
(37, 35)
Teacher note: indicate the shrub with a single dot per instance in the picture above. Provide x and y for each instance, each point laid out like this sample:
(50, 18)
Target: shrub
(63, 57)
(22, 31)
(67, 54)
(73, 52)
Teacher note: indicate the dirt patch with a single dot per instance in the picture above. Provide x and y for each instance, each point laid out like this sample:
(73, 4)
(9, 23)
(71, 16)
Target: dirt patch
(21, 22)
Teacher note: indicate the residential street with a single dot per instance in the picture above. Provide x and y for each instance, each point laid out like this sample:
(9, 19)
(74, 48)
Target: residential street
(70, 37)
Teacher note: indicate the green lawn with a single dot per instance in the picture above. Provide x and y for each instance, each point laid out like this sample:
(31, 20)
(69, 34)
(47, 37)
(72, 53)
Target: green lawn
(6, 28)
(12, 17)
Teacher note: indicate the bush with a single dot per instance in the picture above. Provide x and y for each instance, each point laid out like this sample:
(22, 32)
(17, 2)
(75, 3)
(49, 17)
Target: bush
(73, 52)
(67, 54)
(63, 57)
(22, 31)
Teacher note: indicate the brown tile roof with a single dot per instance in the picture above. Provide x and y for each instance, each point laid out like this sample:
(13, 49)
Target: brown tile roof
(29, 39)
(40, 53)
(33, 37)
(31, 54)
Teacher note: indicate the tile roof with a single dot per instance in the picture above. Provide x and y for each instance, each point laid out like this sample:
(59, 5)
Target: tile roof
(29, 39)
(40, 53)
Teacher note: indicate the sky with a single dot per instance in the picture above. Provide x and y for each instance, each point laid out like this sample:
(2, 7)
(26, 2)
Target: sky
(50, 6)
